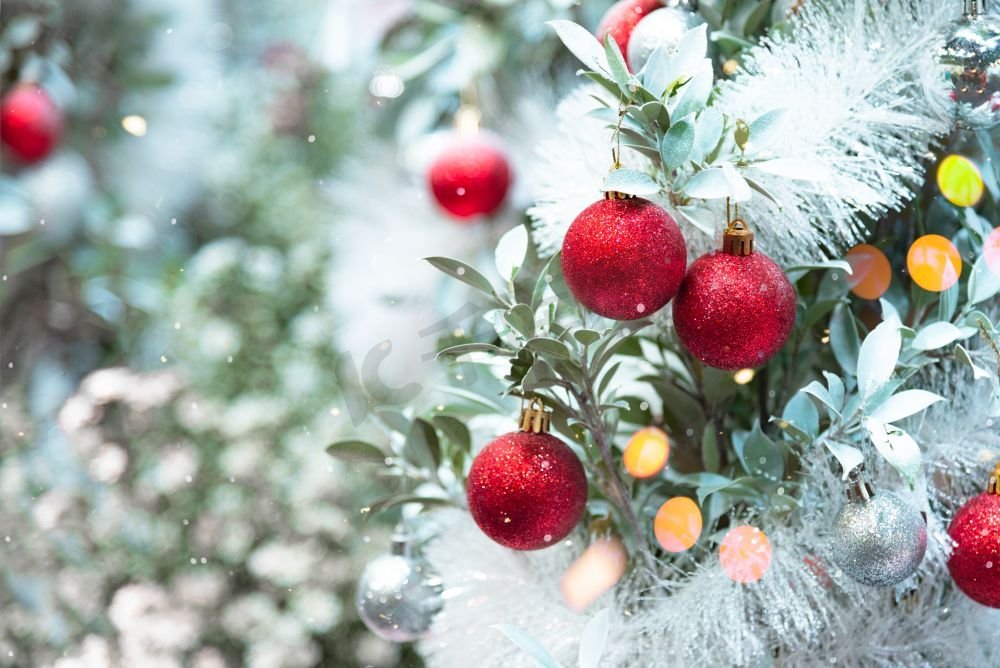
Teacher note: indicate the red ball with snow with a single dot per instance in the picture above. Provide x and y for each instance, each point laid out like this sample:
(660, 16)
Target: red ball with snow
(526, 491)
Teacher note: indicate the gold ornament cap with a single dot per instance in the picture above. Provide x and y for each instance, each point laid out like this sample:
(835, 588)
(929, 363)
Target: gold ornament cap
(737, 239)
(993, 487)
(534, 417)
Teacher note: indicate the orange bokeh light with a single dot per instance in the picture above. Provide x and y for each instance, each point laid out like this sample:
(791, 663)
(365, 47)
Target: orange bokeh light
(677, 524)
(647, 452)
(594, 572)
(872, 273)
(934, 263)
(991, 249)
(745, 554)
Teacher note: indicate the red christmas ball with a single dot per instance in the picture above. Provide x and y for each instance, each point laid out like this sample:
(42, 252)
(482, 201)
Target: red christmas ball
(526, 491)
(30, 122)
(975, 561)
(470, 177)
(622, 17)
(624, 258)
(734, 311)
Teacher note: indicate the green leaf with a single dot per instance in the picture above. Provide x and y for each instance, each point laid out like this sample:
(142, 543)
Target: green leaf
(463, 272)
(849, 456)
(617, 66)
(606, 378)
(984, 283)
(963, 356)
(472, 398)
(547, 346)
(816, 389)
(765, 130)
(897, 447)
(547, 277)
(595, 636)
(465, 348)
(699, 216)
(844, 338)
(356, 451)
(540, 376)
(586, 336)
(385, 504)
(801, 412)
(710, 449)
(631, 182)
(677, 144)
(522, 319)
(528, 645)
(877, 357)
(841, 265)
(394, 419)
(707, 134)
(760, 456)
(510, 252)
(938, 335)
(581, 43)
(904, 404)
(421, 447)
(454, 430)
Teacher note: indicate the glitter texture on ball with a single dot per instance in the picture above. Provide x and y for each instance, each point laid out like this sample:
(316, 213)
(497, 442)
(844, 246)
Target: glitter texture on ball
(879, 542)
(624, 259)
(975, 559)
(398, 596)
(526, 491)
(734, 311)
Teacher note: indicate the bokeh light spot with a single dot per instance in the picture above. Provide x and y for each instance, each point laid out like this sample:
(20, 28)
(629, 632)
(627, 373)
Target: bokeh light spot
(991, 250)
(871, 272)
(934, 263)
(677, 524)
(594, 572)
(960, 181)
(745, 554)
(647, 452)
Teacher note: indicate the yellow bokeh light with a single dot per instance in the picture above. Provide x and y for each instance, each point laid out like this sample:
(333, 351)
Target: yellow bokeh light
(594, 572)
(960, 181)
(134, 125)
(934, 263)
(647, 452)
(745, 554)
(744, 376)
(871, 272)
(677, 524)
(991, 249)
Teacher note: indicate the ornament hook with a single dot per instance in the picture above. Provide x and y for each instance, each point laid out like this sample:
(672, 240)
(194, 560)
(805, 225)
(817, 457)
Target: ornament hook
(858, 488)
(738, 239)
(994, 484)
(534, 417)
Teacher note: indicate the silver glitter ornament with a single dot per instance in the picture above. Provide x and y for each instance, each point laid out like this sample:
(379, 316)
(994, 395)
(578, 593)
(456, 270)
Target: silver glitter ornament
(878, 538)
(970, 63)
(399, 594)
(662, 28)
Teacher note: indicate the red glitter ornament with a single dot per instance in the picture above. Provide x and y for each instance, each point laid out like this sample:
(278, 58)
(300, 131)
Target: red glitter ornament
(527, 490)
(30, 122)
(470, 177)
(735, 308)
(624, 258)
(975, 561)
(621, 19)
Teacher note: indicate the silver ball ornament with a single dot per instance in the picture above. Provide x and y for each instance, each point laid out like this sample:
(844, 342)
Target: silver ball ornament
(399, 595)
(880, 540)
(661, 28)
(970, 63)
